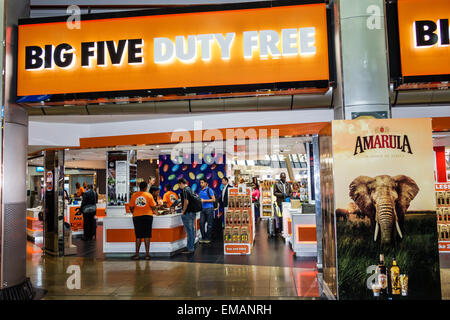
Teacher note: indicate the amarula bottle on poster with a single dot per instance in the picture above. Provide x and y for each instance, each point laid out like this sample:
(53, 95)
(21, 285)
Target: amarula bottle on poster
(382, 277)
(395, 278)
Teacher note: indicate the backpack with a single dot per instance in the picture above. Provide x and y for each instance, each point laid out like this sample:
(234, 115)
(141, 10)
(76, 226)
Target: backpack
(195, 203)
(216, 202)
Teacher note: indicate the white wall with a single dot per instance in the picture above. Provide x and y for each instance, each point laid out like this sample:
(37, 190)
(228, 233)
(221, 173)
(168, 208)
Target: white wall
(67, 130)
(46, 131)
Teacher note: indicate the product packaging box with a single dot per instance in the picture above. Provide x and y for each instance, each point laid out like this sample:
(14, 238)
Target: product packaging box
(229, 217)
(237, 218)
(245, 220)
(227, 235)
(236, 235)
(244, 235)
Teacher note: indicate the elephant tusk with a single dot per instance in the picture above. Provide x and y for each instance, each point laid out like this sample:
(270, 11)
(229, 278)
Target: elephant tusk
(398, 229)
(376, 232)
(397, 226)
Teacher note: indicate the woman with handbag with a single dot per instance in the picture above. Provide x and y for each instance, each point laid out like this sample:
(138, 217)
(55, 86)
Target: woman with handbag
(89, 208)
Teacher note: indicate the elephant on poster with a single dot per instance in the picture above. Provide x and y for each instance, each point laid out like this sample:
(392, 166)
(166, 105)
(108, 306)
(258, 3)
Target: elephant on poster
(385, 200)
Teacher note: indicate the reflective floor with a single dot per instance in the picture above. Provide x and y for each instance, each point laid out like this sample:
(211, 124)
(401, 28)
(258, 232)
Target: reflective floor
(271, 272)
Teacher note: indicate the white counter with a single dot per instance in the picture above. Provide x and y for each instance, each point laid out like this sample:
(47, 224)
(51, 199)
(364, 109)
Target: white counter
(304, 237)
(168, 234)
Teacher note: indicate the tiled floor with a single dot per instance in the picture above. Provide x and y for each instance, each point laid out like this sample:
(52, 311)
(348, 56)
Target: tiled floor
(271, 272)
(162, 279)
(205, 275)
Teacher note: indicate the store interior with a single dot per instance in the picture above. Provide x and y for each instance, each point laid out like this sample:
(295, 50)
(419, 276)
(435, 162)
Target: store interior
(243, 167)
(291, 155)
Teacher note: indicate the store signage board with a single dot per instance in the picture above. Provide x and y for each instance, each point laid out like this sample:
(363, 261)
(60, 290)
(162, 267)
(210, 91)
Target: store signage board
(121, 178)
(424, 35)
(280, 44)
(442, 186)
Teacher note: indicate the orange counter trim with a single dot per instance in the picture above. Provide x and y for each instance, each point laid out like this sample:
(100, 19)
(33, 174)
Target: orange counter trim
(306, 234)
(158, 235)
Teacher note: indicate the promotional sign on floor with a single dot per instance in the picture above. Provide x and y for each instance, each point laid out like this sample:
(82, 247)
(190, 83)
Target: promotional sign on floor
(386, 225)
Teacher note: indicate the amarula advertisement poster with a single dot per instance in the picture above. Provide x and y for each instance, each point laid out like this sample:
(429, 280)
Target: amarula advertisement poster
(385, 204)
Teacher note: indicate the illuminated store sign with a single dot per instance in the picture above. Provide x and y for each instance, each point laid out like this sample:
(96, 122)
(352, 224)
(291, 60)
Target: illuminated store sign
(424, 36)
(429, 33)
(194, 49)
(185, 49)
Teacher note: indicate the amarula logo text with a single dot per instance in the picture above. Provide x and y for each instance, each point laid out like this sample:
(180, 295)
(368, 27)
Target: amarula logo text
(382, 141)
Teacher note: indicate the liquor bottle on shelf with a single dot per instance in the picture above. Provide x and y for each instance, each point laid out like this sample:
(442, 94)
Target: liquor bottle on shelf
(382, 278)
(395, 280)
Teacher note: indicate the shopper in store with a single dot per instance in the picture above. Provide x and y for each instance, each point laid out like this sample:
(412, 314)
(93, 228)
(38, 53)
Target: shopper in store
(223, 200)
(79, 190)
(255, 199)
(169, 196)
(154, 191)
(282, 190)
(142, 206)
(151, 182)
(296, 191)
(207, 215)
(89, 208)
(191, 204)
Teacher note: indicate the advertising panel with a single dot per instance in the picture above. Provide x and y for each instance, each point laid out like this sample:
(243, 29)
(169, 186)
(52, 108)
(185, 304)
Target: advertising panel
(146, 50)
(192, 168)
(385, 209)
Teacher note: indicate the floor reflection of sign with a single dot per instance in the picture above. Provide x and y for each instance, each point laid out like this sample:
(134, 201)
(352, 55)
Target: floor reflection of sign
(49, 181)
(121, 178)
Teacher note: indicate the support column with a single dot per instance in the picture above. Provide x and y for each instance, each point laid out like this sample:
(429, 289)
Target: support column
(361, 60)
(14, 284)
(54, 202)
(316, 188)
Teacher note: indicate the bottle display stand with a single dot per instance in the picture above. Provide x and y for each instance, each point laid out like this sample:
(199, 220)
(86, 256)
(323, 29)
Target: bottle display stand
(443, 216)
(239, 233)
(266, 200)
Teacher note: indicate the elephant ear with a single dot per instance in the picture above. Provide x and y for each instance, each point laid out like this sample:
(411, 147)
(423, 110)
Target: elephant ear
(407, 190)
(359, 192)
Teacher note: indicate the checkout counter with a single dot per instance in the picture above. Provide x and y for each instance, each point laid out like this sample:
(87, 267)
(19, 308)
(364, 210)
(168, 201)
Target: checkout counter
(168, 234)
(301, 223)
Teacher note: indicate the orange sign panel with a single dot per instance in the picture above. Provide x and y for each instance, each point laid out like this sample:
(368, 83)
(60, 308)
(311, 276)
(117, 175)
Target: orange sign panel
(237, 248)
(306, 233)
(424, 37)
(195, 49)
(76, 219)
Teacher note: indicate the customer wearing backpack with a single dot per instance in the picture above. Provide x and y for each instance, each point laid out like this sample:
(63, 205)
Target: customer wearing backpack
(191, 204)
(207, 215)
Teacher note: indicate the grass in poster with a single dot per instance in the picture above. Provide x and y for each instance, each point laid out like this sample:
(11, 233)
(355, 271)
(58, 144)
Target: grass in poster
(417, 255)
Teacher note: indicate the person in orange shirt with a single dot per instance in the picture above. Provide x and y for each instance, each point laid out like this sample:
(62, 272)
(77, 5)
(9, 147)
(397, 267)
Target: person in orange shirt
(80, 189)
(142, 205)
(169, 197)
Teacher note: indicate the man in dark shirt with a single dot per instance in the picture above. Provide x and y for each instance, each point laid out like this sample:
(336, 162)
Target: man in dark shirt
(88, 208)
(282, 190)
(188, 216)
